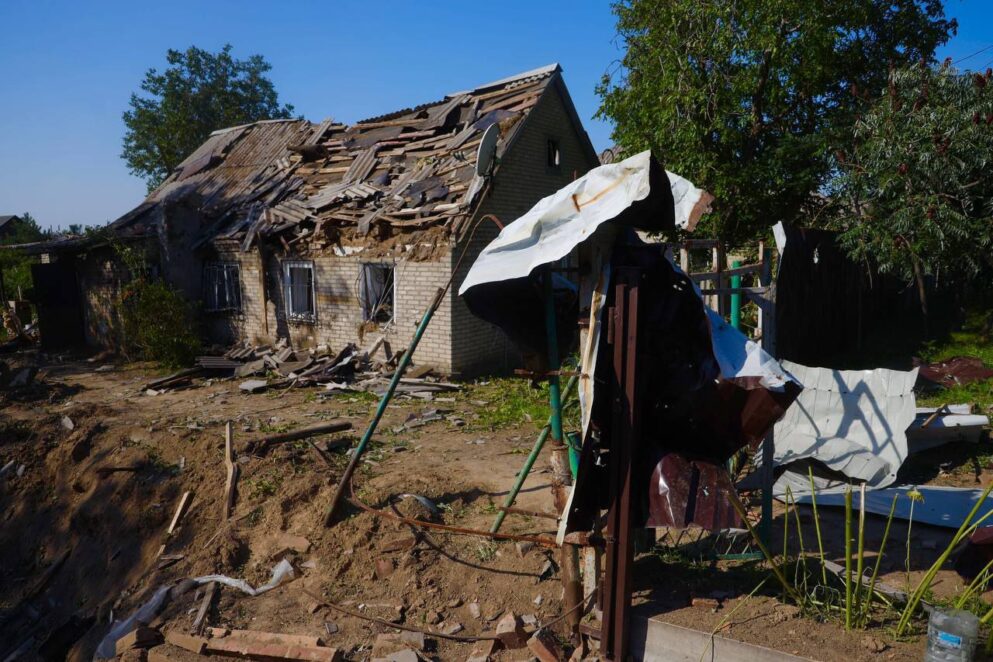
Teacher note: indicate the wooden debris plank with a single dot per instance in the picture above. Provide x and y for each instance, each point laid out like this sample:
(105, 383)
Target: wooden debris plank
(208, 597)
(231, 468)
(180, 511)
(267, 637)
(245, 648)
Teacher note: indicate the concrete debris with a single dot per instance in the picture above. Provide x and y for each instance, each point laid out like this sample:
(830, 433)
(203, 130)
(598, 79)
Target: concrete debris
(483, 651)
(510, 631)
(545, 646)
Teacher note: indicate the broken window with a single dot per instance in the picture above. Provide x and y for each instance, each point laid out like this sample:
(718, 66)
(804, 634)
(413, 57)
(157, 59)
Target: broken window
(222, 286)
(377, 292)
(554, 155)
(298, 282)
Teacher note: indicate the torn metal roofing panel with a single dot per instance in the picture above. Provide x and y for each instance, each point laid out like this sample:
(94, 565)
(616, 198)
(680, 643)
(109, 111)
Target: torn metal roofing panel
(852, 421)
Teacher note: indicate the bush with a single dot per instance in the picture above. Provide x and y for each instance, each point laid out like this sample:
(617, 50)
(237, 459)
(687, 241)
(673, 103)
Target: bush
(158, 324)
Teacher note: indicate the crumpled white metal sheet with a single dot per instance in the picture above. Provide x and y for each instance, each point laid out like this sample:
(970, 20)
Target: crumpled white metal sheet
(558, 223)
(941, 506)
(853, 421)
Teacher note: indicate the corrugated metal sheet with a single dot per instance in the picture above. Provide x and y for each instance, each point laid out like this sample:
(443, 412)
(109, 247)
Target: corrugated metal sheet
(852, 421)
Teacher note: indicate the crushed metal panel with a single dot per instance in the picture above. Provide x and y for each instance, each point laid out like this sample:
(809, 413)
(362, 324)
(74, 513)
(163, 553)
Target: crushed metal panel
(852, 421)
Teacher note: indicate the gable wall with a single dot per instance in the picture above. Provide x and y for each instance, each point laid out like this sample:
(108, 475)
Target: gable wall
(521, 181)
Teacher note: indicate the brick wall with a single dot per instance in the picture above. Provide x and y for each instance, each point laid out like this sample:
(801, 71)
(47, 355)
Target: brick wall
(523, 179)
(339, 318)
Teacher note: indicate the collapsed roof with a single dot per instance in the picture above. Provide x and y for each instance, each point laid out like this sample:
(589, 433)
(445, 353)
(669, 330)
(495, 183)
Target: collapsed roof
(408, 172)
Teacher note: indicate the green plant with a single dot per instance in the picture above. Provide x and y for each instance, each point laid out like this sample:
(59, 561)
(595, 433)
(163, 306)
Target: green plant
(966, 529)
(914, 195)
(157, 323)
(914, 495)
(818, 592)
(486, 552)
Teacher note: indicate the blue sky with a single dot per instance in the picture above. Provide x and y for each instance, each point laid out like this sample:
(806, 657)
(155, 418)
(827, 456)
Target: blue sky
(67, 70)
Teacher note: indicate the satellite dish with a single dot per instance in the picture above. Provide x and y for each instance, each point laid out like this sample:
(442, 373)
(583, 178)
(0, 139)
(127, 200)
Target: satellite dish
(486, 155)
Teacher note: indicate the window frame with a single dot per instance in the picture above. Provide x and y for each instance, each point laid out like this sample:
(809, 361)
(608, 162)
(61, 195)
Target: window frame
(224, 268)
(363, 298)
(287, 267)
(553, 143)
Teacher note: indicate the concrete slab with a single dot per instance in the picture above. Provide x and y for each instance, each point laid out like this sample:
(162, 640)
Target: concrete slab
(653, 640)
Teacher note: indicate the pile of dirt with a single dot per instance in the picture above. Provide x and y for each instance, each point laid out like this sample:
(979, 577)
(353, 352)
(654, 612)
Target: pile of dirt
(85, 542)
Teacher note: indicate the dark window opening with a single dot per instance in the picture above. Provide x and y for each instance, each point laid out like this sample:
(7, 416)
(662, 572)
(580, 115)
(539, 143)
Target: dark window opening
(298, 279)
(554, 155)
(222, 287)
(377, 291)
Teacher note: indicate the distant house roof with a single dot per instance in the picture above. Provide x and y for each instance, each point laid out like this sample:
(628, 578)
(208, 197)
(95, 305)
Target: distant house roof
(5, 219)
(409, 171)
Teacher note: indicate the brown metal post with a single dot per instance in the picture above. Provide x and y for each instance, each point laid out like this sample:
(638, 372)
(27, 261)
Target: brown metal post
(614, 642)
(572, 586)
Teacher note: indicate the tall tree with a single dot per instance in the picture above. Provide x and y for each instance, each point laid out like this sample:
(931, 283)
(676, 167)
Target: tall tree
(748, 98)
(915, 196)
(199, 92)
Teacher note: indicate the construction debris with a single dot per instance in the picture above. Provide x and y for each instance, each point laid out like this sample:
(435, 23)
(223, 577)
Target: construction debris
(262, 444)
(140, 637)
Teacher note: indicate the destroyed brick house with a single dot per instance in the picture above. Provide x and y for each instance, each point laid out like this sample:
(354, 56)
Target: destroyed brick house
(333, 234)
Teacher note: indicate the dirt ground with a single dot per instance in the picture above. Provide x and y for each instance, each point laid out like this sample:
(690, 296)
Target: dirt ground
(113, 525)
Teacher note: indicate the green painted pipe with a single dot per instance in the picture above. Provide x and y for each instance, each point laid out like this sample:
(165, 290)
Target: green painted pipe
(551, 335)
(529, 463)
(575, 448)
(736, 297)
(346, 477)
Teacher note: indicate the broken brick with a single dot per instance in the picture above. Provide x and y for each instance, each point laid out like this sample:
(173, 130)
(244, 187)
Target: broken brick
(545, 646)
(510, 631)
(483, 650)
(140, 637)
(187, 642)
(706, 603)
(384, 568)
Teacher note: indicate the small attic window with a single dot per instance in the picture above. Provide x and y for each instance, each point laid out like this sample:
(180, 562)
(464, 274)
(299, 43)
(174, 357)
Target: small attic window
(554, 154)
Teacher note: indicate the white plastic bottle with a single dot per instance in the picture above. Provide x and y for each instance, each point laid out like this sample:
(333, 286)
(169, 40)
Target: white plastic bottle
(951, 636)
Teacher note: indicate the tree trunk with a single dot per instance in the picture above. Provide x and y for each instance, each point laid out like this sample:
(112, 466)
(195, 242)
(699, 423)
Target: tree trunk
(921, 291)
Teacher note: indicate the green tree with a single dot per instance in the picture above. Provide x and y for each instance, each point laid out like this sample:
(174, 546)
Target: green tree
(915, 196)
(15, 266)
(199, 92)
(749, 98)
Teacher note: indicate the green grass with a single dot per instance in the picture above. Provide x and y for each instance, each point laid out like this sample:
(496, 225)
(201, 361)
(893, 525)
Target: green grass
(514, 402)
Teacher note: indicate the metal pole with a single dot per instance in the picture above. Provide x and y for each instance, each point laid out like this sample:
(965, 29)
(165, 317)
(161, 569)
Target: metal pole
(529, 462)
(381, 409)
(736, 297)
(561, 460)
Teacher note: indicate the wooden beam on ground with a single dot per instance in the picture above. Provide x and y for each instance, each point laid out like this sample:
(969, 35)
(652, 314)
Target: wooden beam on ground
(262, 444)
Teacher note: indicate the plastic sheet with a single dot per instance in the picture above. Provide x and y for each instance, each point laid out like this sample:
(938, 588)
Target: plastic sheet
(144, 614)
(282, 571)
